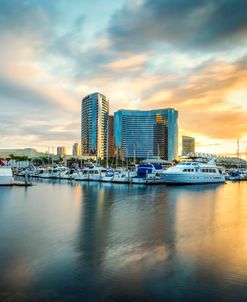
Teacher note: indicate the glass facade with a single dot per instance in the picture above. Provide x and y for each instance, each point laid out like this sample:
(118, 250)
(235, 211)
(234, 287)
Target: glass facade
(188, 145)
(143, 134)
(94, 125)
(111, 147)
(76, 149)
(61, 151)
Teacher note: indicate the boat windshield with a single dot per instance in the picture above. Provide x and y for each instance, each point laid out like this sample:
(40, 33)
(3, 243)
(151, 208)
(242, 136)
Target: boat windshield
(184, 164)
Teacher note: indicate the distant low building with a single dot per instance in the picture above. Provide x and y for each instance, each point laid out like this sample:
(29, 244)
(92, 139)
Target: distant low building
(29, 152)
(61, 151)
(76, 150)
(188, 145)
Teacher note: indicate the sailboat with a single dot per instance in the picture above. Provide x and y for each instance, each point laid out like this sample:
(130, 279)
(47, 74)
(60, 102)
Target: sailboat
(239, 173)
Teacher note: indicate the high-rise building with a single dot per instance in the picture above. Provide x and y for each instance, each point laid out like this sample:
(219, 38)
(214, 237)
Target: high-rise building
(61, 151)
(76, 149)
(94, 125)
(188, 145)
(144, 134)
(111, 147)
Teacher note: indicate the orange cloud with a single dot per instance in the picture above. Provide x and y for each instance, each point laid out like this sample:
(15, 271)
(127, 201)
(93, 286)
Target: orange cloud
(129, 63)
(202, 101)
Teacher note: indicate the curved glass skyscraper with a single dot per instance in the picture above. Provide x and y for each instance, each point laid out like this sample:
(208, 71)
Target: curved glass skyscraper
(94, 125)
(147, 133)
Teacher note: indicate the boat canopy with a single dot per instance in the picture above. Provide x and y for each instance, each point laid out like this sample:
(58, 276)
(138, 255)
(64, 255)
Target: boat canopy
(144, 169)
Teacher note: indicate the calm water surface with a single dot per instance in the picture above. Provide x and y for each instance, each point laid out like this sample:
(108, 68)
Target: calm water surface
(62, 241)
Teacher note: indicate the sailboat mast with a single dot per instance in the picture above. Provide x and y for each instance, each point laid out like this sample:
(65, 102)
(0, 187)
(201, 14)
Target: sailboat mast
(48, 156)
(117, 159)
(238, 153)
(134, 153)
(52, 150)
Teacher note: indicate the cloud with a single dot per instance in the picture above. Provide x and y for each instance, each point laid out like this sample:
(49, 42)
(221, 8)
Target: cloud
(19, 96)
(135, 63)
(27, 18)
(202, 99)
(38, 133)
(37, 103)
(193, 24)
(31, 116)
(190, 55)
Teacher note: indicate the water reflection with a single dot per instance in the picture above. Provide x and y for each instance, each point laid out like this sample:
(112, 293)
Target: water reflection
(92, 241)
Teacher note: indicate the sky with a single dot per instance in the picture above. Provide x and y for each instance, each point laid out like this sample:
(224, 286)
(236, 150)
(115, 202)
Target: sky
(190, 55)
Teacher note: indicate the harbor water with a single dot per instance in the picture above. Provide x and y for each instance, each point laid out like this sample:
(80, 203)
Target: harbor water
(90, 241)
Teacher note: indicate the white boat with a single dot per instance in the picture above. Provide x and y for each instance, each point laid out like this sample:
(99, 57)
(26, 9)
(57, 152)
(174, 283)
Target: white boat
(6, 176)
(56, 172)
(45, 174)
(38, 172)
(148, 174)
(97, 173)
(243, 175)
(123, 176)
(64, 173)
(31, 171)
(92, 172)
(108, 176)
(194, 172)
(120, 177)
(70, 174)
(237, 175)
(80, 175)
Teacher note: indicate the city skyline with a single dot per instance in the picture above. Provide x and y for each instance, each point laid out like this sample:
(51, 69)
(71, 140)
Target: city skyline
(191, 57)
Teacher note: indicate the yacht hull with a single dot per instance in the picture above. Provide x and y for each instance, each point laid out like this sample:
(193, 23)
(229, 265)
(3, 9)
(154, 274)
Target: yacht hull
(106, 179)
(6, 180)
(148, 181)
(6, 176)
(45, 175)
(137, 181)
(81, 178)
(181, 179)
(121, 180)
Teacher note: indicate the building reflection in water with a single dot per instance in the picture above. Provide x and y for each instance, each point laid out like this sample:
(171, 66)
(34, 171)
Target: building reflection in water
(124, 231)
(91, 240)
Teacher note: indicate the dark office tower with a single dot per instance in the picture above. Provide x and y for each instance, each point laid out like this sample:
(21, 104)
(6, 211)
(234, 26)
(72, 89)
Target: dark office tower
(111, 149)
(188, 145)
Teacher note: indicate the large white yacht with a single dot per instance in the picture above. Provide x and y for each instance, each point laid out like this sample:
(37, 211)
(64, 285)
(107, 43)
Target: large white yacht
(6, 176)
(194, 172)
